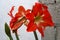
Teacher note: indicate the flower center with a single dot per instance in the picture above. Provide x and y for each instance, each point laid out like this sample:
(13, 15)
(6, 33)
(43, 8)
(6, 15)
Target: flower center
(38, 19)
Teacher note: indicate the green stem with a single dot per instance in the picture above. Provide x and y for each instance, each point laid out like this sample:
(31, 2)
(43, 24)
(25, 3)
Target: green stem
(11, 38)
(35, 34)
(17, 38)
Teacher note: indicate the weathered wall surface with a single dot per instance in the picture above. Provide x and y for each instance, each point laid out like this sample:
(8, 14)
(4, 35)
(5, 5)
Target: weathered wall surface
(54, 8)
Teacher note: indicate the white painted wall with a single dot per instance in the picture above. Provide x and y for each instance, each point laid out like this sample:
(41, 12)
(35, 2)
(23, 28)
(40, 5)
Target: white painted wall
(5, 6)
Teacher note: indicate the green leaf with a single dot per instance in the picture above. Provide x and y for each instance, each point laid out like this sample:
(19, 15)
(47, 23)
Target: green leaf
(7, 31)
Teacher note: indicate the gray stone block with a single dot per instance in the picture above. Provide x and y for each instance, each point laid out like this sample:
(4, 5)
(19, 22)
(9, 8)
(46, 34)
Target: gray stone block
(57, 1)
(49, 34)
(54, 9)
(47, 1)
(57, 33)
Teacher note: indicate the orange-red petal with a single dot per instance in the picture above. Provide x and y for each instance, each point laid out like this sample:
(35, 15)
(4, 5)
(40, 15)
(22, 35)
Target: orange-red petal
(46, 14)
(31, 27)
(20, 12)
(10, 13)
(21, 9)
(18, 24)
(30, 16)
(49, 22)
(40, 29)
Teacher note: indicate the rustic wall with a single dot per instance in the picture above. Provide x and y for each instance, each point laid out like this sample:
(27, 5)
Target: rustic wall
(54, 8)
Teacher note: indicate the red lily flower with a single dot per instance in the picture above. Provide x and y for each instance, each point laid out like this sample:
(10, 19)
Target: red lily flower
(18, 19)
(39, 18)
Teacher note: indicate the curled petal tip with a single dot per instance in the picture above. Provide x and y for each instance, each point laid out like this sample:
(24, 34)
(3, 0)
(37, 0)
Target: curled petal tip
(10, 13)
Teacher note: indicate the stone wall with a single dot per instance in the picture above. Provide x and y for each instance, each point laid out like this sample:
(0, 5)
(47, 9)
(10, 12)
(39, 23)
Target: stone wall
(54, 8)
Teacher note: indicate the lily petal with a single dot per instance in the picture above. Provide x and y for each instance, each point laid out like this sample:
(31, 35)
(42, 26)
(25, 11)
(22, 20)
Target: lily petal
(40, 29)
(30, 16)
(10, 13)
(18, 24)
(31, 27)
